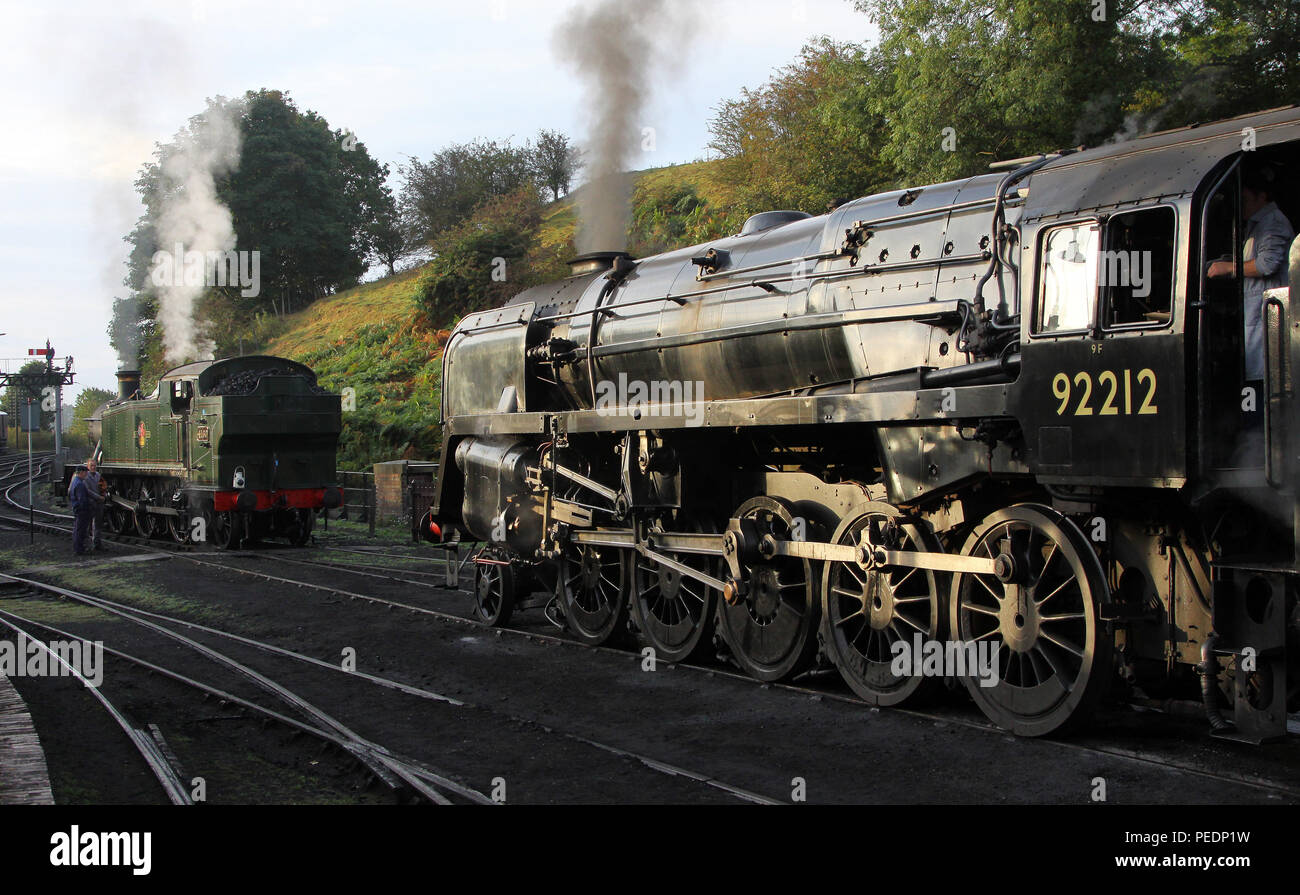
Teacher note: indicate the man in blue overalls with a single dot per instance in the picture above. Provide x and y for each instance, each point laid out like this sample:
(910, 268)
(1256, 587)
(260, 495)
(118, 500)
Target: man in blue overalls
(83, 509)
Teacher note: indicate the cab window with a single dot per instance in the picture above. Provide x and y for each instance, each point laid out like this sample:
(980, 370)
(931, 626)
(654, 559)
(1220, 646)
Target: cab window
(181, 392)
(1069, 279)
(1137, 268)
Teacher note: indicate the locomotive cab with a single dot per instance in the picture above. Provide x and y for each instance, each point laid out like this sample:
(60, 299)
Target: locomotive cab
(1232, 380)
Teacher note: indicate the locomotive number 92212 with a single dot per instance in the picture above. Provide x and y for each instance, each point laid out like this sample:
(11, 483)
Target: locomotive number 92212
(1114, 389)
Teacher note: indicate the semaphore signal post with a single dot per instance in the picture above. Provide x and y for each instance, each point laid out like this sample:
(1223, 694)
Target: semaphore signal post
(48, 384)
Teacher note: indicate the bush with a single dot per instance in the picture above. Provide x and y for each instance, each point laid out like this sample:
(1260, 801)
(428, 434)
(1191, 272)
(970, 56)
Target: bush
(668, 214)
(476, 264)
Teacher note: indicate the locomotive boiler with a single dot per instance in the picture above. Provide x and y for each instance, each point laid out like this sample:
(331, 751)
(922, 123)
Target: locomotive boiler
(245, 444)
(1007, 414)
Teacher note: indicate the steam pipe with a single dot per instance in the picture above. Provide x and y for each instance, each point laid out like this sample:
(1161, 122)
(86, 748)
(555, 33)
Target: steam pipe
(621, 265)
(1209, 671)
(966, 372)
(999, 213)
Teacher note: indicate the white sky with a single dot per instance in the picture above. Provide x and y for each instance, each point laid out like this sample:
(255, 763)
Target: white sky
(88, 88)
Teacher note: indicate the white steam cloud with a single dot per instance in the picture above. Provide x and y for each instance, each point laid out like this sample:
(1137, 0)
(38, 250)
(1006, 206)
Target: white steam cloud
(193, 220)
(615, 47)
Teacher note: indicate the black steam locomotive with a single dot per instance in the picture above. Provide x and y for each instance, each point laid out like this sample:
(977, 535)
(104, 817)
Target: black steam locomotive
(999, 430)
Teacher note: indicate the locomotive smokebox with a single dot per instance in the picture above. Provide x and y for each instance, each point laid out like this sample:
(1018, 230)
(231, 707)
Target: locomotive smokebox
(128, 383)
(598, 262)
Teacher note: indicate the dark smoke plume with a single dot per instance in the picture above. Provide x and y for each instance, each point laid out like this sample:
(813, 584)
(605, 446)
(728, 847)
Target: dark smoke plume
(616, 47)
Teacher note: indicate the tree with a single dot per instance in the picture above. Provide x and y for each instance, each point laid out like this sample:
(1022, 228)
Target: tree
(305, 196)
(370, 202)
(390, 242)
(797, 142)
(310, 201)
(555, 162)
(1229, 57)
(86, 404)
(968, 82)
(439, 194)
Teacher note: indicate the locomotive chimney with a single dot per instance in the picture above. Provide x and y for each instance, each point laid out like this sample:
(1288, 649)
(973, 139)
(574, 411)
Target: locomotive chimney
(598, 262)
(128, 383)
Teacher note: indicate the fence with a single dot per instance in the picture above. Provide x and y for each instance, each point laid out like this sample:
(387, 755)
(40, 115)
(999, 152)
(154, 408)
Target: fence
(361, 499)
(358, 498)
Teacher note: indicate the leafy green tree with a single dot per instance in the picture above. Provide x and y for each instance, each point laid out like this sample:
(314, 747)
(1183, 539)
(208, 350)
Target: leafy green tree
(1229, 57)
(968, 82)
(310, 200)
(370, 204)
(796, 142)
(390, 243)
(555, 162)
(439, 194)
(90, 399)
(306, 197)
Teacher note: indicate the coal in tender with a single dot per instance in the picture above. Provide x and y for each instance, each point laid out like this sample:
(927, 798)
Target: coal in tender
(245, 381)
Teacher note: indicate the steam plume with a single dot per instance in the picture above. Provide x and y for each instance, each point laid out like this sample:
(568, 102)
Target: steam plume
(192, 217)
(615, 47)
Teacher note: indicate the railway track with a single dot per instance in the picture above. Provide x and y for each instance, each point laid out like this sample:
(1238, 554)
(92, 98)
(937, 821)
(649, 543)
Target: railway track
(320, 723)
(656, 765)
(820, 692)
(150, 750)
(233, 563)
(422, 780)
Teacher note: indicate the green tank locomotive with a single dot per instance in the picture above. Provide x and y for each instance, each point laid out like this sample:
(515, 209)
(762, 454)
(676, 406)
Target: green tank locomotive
(224, 452)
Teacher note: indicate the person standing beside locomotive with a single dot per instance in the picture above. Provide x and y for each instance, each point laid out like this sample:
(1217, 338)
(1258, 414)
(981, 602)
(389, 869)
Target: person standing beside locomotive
(95, 488)
(1264, 260)
(82, 509)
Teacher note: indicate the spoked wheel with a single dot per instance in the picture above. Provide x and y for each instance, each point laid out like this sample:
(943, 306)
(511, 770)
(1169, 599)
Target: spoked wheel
(494, 592)
(148, 525)
(224, 529)
(593, 586)
(772, 628)
(179, 528)
(864, 613)
(116, 519)
(157, 525)
(1051, 655)
(138, 518)
(675, 612)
